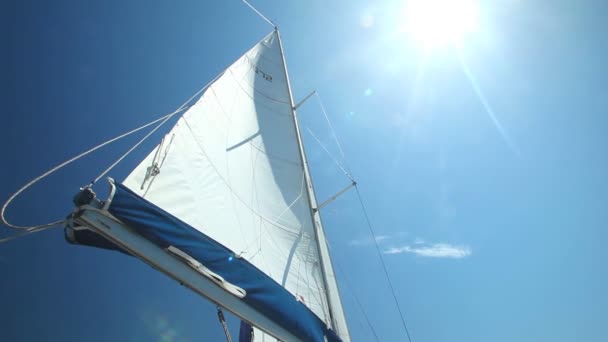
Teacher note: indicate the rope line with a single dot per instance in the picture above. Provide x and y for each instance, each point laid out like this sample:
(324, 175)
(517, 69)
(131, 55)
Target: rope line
(359, 306)
(28, 232)
(32, 229)
(346, 173)
(367, 219)
(388, 278)
(56, 168)
(331, 127)
(181, 108)
(259, 13)
(131, 149)
(220, 317)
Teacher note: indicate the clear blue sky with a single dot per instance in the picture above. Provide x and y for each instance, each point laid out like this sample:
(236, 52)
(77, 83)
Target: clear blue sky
(484, 174)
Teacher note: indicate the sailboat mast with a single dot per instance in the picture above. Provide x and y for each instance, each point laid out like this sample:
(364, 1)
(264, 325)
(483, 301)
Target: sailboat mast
(336, 312)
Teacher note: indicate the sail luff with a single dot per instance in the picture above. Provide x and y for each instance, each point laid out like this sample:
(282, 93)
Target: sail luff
(336, 311)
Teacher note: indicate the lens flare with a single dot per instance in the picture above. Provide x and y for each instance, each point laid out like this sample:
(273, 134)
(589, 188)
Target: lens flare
(440, 22)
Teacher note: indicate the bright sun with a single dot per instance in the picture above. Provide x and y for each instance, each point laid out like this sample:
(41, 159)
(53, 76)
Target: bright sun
(440, 22)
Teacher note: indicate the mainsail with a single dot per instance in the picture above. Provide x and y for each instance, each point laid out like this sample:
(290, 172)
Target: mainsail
(233, 169)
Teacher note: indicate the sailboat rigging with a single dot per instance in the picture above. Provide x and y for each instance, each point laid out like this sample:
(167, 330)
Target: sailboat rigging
(234, 159)
(225, 205)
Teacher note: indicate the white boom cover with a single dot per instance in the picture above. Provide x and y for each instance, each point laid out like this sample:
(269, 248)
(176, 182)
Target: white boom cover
(231, 168)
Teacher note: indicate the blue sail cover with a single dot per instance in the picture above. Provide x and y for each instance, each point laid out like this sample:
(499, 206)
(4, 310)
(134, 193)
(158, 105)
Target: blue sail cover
(263, 293)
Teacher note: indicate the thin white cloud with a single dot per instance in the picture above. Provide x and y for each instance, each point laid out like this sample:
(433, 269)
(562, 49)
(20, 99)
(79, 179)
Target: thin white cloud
(437, 250)
(369, 240)
(382, 238)
(419, 241)
(359, 242)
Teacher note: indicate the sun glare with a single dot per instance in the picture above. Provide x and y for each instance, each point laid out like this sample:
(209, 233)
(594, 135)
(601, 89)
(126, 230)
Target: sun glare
(440, 22)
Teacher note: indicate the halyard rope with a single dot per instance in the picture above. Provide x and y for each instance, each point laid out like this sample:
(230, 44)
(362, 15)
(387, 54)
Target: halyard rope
(32, 229)
(26, 230)
(259, 13)
(56, 168)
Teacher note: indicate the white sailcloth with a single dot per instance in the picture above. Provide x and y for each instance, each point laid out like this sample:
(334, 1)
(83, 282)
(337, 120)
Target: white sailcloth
(231, 168)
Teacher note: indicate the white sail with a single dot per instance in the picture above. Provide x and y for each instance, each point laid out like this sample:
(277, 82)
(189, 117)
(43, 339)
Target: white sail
(231, 167)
